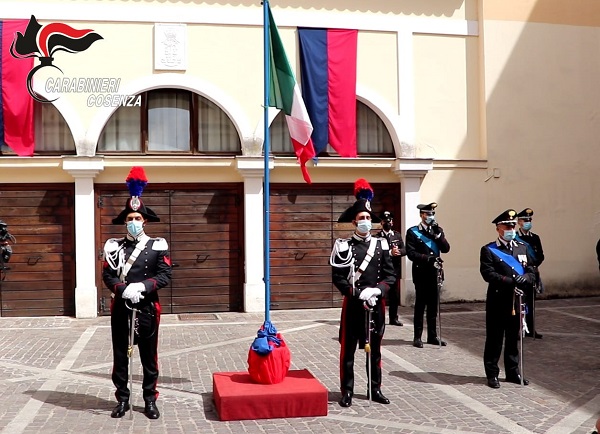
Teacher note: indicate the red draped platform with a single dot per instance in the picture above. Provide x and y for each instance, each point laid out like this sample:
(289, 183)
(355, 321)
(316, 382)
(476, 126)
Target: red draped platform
(237, 397)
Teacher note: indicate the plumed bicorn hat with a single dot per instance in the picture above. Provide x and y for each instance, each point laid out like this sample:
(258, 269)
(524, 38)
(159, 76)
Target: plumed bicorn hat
(136, 181)
(363, 192)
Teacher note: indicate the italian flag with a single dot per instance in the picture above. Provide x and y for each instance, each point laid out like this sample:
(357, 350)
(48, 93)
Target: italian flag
(285, 94)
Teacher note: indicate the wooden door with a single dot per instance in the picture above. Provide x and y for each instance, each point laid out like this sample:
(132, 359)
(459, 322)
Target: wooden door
(303, 228)
(204, 231)
(41, 278)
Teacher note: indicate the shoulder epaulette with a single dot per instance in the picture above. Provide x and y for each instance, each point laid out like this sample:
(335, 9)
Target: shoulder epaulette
(112, 244)
(160, 244)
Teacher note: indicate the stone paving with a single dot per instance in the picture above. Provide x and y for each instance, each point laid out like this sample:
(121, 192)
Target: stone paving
(55, 375)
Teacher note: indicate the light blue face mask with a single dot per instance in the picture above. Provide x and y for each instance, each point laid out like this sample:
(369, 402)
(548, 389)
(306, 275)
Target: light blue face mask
(429, 219)
(509, 235)
(135, 227)
(364, 226)
(527, 226)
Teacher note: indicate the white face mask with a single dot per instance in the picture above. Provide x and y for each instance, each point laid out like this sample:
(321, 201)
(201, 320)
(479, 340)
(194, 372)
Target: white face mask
(135, 227)
(364, 226)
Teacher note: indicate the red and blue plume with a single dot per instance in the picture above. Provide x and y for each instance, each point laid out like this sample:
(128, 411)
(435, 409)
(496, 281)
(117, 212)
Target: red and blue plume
(363, 190)
(136, 181)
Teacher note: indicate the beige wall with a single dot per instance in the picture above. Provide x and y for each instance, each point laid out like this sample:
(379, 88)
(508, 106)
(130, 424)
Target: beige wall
(447, 106)
(543, 128)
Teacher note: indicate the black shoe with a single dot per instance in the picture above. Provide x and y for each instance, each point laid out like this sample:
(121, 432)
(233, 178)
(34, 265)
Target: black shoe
(346, 400)
(436, 341)
(377, 396)
(537, 335)
(517, 380)
(151, 411)
(120, 410)
(418, 343)
(493, 382)
(396, 322)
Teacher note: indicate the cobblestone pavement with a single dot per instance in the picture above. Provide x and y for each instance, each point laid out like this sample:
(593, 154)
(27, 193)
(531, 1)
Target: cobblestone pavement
(55, 375)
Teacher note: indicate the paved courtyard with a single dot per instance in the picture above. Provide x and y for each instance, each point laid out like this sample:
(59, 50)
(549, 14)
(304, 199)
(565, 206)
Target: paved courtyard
(55, 375)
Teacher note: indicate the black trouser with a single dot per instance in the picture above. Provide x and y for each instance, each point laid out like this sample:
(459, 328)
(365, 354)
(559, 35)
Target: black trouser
(349, 325)
(426, 297)
(501, 324)
(394, 300)
(530, 316)
(147, 346)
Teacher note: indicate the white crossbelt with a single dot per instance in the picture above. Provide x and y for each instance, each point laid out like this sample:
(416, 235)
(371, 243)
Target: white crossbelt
(365, 263)
(134, 255)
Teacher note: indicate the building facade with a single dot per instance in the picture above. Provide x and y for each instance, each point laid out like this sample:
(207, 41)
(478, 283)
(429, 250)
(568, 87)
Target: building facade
(479, 106)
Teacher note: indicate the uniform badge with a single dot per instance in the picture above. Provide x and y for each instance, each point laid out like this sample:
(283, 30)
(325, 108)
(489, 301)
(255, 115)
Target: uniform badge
(134, 203)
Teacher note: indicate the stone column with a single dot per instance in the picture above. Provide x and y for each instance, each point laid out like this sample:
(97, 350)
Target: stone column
(252, 170)
(84, 170)
(411, 172)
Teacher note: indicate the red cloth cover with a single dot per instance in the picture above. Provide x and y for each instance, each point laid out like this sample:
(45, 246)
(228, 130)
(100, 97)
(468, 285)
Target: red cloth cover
(271, 368)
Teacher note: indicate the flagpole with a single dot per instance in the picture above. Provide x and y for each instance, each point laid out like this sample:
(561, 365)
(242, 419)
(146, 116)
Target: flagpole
(266, 190)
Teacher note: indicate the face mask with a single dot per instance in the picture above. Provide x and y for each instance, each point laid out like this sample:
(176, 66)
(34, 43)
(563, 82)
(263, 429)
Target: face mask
(135, 227)
(364, 226)
(387, 226)
(509, 235)
(527, 226)
(429, 219)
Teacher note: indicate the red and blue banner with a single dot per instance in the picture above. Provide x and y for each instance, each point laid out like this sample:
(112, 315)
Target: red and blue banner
(328, 77)
(16, 105)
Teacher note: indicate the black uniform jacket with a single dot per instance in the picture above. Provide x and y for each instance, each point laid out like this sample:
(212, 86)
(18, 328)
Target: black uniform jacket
(499, 274)
(536, 244)
(152, 267)
(418, 252)
(379, 272)
(394, 238)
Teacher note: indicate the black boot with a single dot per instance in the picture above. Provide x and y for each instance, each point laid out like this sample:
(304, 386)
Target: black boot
(151, 410)
(120, 410)
(395, 321)
(377, 396)
(346, 400)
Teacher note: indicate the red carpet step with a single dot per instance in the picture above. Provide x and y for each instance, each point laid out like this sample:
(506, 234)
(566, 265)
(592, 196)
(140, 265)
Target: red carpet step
(237, 397)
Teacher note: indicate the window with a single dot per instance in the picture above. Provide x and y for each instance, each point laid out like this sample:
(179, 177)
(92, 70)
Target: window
(372, 136)
(171, 121)
(52, 134)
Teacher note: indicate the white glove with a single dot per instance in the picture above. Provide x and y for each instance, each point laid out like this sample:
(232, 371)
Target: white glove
(367, 293)
(134, 291)
(372, 301)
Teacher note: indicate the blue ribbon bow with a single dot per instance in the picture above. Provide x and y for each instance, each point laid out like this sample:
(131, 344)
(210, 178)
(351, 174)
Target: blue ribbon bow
(267, 333)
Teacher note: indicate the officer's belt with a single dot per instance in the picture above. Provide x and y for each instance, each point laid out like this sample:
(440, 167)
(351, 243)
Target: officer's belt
(134, 255)
(365, 262)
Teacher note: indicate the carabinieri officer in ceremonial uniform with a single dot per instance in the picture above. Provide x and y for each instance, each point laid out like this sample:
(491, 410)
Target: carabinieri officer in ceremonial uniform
(362, 270)
(135, 268)
(536, 252)
(504, 265)
(424, 245)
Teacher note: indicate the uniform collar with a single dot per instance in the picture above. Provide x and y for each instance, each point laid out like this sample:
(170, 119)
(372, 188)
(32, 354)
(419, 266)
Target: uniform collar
(361, 238)
(135, 240)
(507, 244)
